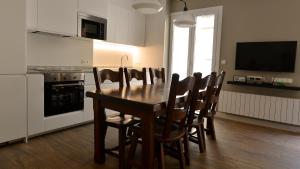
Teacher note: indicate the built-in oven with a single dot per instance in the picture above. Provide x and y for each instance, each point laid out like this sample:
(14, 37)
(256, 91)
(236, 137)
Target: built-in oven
(64, 93)
(91, 27)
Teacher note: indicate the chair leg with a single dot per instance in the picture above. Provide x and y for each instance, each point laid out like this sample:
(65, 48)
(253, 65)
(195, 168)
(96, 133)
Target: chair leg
(122, 143)
(186, 149)
(212, 129)
(208, 126)
(134, 141)
(203, 136)
(161, 156)
(180, 153)
(200, 139)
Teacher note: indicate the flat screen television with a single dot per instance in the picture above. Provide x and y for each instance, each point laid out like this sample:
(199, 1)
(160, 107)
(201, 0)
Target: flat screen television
(266, 56)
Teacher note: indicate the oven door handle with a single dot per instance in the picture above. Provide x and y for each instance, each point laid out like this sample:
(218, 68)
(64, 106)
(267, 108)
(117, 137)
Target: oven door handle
(71, 84)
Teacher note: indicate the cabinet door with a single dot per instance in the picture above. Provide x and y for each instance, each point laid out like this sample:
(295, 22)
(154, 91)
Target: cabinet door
(35, 103)
(58, 16)
(12, 37)
(136, 34)
(88, 109)
(117, 26)
(12, 107)
(31, 14)
(94, 7)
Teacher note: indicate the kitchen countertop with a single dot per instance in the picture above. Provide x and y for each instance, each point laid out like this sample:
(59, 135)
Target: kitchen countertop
(71, 69)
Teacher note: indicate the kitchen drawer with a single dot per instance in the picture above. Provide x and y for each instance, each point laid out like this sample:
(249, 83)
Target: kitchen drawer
(63, 120)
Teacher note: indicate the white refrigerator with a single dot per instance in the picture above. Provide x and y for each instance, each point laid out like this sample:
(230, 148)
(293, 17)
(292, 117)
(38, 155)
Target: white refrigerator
(13, 97)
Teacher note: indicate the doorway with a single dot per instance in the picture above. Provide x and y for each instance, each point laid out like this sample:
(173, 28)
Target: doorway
(196, 49)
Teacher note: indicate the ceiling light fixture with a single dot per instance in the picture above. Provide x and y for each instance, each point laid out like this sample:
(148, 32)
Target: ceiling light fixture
(147, 6)
(186, 19)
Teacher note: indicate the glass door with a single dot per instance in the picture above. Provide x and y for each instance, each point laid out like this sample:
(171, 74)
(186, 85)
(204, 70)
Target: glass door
(197, 49)
(180, 51)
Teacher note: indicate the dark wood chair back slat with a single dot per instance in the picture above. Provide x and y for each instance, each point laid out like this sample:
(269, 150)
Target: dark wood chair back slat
(202, 96)
(107, 74)
(175, 113)
(138, 75)
(217, 89)
(158, 75)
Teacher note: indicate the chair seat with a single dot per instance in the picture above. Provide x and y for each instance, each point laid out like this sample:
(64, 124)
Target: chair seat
(119, 121)
(196, 122)
(175, 134)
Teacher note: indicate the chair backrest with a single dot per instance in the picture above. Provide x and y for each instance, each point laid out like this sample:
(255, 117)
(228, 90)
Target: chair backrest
(202, 96)
(107, 74)
(173, 112)
(217, 89)
(157, 74)
(138, 75)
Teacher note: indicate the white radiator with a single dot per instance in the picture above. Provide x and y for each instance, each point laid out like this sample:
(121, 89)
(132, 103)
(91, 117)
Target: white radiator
(279, 109)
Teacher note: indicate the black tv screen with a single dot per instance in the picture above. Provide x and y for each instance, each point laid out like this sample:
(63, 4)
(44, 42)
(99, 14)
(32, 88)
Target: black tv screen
(266, 56)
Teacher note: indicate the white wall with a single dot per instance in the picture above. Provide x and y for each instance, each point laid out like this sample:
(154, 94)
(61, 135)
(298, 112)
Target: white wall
(45, 50)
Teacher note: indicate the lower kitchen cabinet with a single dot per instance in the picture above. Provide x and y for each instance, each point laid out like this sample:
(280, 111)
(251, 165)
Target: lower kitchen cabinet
(38, 123)
(35, 91)
(63, 120)
(88, 109)
(12, 107)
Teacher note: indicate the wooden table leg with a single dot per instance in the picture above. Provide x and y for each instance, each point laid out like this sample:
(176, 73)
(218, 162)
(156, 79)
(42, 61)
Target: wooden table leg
(99, 132)
(148, 141)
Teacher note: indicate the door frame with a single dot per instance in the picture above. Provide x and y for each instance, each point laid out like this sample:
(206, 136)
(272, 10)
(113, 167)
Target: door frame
(218, 12)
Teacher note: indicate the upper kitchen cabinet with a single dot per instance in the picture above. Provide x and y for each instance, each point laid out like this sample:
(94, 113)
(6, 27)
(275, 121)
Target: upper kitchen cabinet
(94, 7)
(31, 14)
(13, 38)
(117, 22)
(136, 28)
(124, 24)
(53, 16)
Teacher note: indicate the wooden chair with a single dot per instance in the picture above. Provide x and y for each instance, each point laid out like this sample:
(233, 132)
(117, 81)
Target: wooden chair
(122, 122)
(138, 75)
(201, 103)
(173, 130)
(157, 75)
(210, 127)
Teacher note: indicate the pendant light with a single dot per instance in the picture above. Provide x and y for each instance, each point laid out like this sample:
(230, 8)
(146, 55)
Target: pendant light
(147, 6)
(185, 20)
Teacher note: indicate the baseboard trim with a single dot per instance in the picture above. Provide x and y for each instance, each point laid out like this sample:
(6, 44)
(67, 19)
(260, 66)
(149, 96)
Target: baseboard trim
(258, 122)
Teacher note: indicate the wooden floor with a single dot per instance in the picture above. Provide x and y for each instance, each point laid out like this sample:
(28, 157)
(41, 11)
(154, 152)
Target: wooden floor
(238, 146)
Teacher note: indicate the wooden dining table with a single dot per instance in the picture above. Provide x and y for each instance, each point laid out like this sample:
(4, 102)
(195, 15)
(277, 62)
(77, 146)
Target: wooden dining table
(143, 101)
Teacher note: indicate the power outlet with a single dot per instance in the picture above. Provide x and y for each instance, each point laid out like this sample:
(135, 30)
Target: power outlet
(223, 62)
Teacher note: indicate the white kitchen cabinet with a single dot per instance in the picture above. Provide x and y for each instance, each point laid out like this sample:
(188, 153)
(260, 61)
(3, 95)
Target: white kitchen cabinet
(88, 102)
(88, 109)
(136, 33)
(31, 14)
(89, 79)
(117, 22)
(13, 40)
(35, 91)
(94, 7)
(63, 120)
(124, 24)
(58, 16)
(52, 16)
(12, 107)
